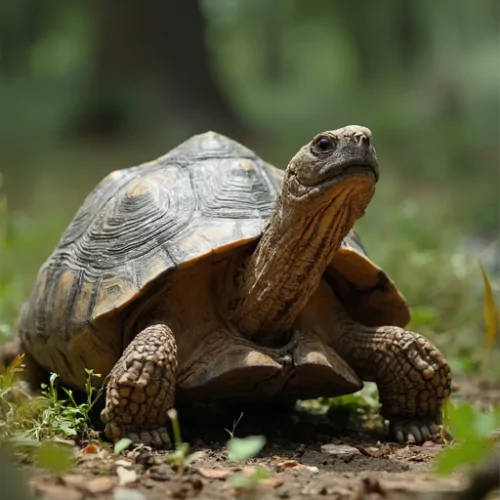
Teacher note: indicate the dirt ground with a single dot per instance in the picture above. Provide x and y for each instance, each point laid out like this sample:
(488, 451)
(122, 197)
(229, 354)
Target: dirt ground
(307, 457)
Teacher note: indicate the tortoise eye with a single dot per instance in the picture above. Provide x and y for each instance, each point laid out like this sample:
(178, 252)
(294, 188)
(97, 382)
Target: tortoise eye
(323, 145)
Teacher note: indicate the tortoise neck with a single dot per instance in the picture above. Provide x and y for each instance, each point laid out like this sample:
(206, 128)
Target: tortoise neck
(287, 265)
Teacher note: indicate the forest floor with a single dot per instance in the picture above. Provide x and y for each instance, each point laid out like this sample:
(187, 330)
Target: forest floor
(306, 456)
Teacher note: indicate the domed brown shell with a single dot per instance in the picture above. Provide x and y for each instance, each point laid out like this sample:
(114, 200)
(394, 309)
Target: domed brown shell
(207, 195)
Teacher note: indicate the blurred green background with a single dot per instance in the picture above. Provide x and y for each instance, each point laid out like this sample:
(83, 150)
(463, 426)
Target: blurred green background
(87, 87)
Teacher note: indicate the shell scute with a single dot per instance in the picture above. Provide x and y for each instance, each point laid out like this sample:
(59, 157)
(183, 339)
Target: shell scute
(208, 194)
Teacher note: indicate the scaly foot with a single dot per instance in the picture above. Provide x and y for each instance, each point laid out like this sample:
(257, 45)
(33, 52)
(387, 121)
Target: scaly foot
(141, 389)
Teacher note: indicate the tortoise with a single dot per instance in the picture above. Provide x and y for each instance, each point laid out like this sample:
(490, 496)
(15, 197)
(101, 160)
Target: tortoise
(209, 275)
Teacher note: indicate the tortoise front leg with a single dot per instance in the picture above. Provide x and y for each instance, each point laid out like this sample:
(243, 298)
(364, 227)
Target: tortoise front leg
(412, 376)
(141, 388)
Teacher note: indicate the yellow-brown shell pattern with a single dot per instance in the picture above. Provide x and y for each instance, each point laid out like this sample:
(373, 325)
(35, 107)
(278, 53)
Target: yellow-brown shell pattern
(208, 194)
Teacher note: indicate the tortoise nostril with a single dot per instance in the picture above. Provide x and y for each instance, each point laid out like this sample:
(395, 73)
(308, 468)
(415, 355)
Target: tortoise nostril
(362, 139)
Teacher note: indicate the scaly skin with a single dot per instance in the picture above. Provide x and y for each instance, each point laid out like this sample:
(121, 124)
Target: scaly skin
(141, 388)
(324, 193)
(412, 376)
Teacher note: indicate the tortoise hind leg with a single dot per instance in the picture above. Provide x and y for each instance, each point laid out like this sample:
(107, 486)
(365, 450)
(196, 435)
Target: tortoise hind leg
(412, 376)
(141, 388)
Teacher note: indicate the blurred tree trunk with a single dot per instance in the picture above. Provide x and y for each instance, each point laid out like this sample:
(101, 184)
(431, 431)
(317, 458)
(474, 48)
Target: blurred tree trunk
(407, 32)
(154, 49)
(21, 25)
(273, 34)
(385, 38)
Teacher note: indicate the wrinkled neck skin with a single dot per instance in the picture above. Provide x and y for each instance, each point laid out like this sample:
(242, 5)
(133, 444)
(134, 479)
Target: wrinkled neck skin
(287, 265)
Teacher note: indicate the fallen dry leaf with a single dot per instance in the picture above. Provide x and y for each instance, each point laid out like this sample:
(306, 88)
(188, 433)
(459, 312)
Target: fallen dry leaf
(220, 473)
(90, 448)
(125, 476)
(99, 454)
(287, 463)
(293, 464)
(100, 485)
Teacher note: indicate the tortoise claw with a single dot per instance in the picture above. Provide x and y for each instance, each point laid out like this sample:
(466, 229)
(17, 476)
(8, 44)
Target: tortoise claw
(414, 431)
(156, 438)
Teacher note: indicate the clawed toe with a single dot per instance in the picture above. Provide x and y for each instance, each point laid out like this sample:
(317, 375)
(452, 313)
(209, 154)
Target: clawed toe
(414, 431)
(157, 438)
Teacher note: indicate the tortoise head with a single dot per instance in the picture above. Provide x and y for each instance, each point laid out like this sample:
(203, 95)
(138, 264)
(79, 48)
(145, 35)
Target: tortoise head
(337, 162)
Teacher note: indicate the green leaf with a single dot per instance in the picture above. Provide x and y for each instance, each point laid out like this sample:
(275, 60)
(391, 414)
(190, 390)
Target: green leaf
(55, 457)
(178, 455)
(193, 457)
(472, 429)
(260, 474)
(241, 449)
(67, 429)
(176, 428)
(121, 445)
(491, 315)
(467, 422)
(242, 481)
(462, 419)
(468, 452)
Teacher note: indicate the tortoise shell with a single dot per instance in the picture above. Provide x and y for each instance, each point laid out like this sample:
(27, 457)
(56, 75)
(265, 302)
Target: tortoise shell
(207, 196)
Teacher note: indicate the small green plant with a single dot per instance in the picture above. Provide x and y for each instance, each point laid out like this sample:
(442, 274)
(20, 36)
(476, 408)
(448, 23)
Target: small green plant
(249, 482)
(180, 457)
(472, 431)
(347, 411)
(65, 417)
(28, 424)
(235, 424)
(18, 410)
(24, 418)
(7, 378)
(240, 450)
(356, 405)
(121, 445)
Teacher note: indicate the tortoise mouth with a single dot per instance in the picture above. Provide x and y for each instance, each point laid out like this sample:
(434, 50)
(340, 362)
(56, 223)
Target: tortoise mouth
(365, 167)
(353, 168)
(335, 176)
